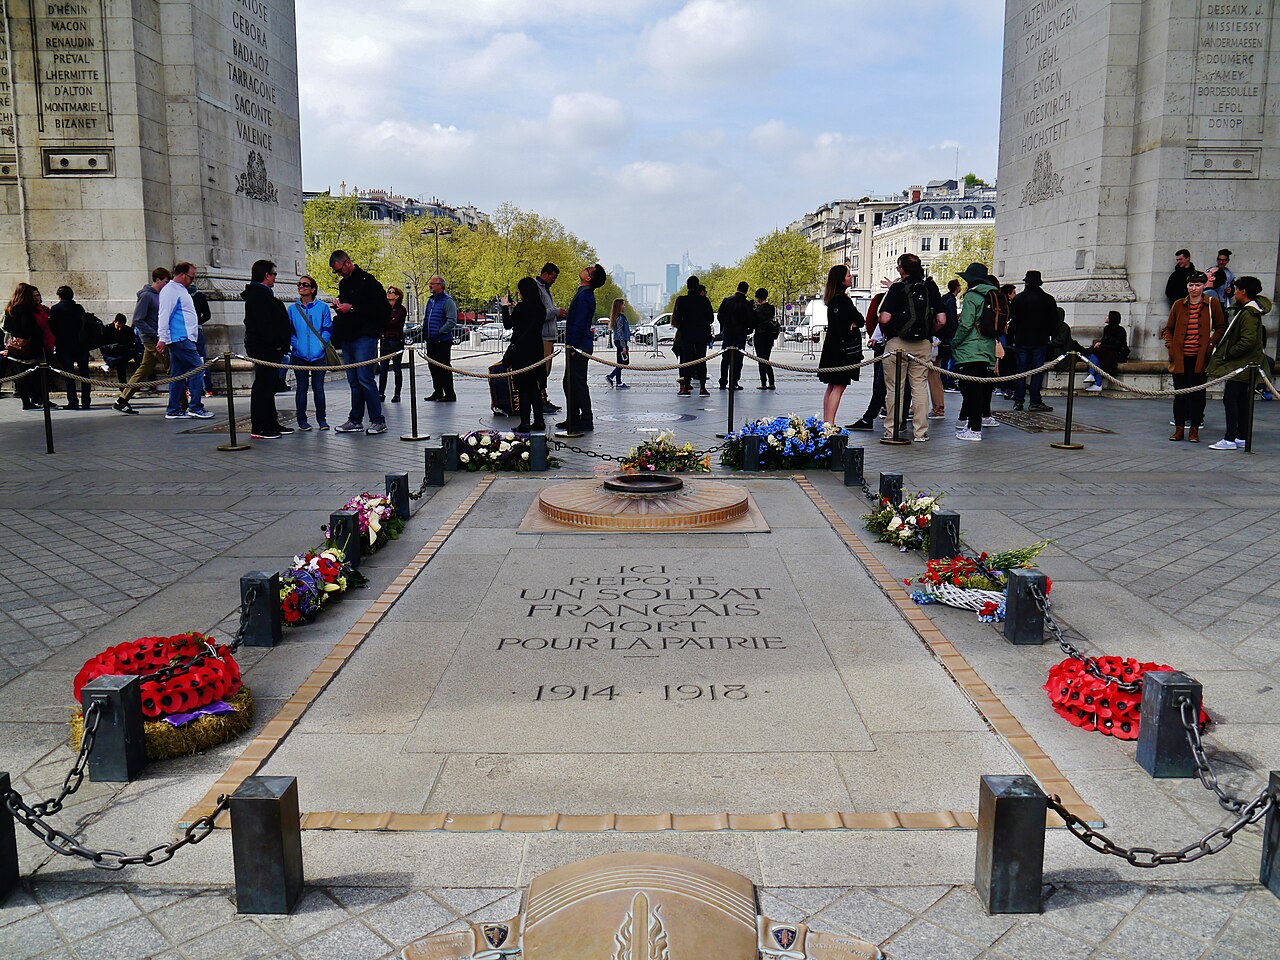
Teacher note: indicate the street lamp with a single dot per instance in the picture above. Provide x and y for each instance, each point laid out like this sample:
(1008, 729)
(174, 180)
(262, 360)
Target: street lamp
(845, 229)
(437, 232)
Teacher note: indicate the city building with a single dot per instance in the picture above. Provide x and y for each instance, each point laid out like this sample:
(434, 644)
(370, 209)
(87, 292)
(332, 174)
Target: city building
(386, 208)
(843, 230)
(930, 222)
(673, 278)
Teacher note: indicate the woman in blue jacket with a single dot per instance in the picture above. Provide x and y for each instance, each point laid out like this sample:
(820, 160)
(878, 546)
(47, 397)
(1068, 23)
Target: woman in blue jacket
(312, 329)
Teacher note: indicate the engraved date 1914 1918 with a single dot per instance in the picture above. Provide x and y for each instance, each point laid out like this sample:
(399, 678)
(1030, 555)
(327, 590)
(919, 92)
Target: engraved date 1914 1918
(673, 692)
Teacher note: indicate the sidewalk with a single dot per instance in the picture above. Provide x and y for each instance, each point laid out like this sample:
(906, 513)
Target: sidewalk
(137, 527)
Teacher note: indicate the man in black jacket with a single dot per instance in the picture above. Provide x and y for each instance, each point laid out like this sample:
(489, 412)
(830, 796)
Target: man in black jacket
(1175, 287)
(267, 332)
(1033, 315)
(67, 320)
(766, 335)
(360, 316)
(737, 320)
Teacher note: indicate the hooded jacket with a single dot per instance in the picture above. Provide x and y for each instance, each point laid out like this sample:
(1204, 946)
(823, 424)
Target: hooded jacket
(969, 345)
(146, 314)
(1243, 342)
(267, 330)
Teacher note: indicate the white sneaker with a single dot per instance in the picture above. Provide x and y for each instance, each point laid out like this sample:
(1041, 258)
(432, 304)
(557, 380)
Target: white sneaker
(1226, 445)
(968, 434)
(1239, 444)
(175, 416)
(990, 422)
(1093, 388)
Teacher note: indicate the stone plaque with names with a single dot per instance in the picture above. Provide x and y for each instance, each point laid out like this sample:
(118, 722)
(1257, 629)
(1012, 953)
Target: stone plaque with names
(1230, 87)
(69, 47)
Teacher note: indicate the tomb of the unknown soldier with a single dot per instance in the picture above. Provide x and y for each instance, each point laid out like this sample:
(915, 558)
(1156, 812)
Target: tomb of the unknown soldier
(394, 579)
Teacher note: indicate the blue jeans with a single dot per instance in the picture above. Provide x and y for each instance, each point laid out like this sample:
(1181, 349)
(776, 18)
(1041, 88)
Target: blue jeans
(314, 379)
(184, 358)
(363, 380)
(1028, 359)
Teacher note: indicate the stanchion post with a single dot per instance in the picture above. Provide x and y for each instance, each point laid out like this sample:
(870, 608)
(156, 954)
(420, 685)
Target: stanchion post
(891, 487)
(8, 844)
(1269, 875)
(266, 845)
(853, 466)
(233, 443)
(944, 535)
(344, 533)
(434, 466)
(451, 446)
(538, 452)
(1011, 825)
(751, 453)
(264, 626)
(837, 444)
(413, 435)
(1023, 618)
(1163, 750)
(728, 429)
(119, 748)
(398, 493)
(48, 410)
(1066, 443)
(896, 439)
(1253, 399)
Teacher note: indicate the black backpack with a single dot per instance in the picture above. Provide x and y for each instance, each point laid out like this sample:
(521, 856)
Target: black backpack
(915, 322)
(94, 332)
(994, 319)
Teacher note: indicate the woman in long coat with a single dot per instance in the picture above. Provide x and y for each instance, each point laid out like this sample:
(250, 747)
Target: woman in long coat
(843, 343)
(692, 319)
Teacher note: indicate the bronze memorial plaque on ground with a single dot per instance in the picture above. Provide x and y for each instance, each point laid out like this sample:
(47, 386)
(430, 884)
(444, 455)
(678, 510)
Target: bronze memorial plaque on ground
(640, 906)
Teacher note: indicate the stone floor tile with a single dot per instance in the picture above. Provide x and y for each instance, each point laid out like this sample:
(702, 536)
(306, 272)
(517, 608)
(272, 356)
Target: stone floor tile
(130, 941)
(1144, 940)
(1263, 906)
(809, 899)
(81, 917)
(240, 940)
(961, 912)
(195, 916)
(780, 910)
(29, 937)
(925, 941)
(1181, 912)
(360, 899)
(1033, 939)
(314, 911)
(862, 915)
(351, 941)
(1068, 909)
(916, 899)
(405, 920)
(1249, 939)
(468, 901)
(19, 904)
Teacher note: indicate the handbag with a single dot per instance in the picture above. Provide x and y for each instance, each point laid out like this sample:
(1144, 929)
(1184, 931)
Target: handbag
(331, 358)
(20, 348)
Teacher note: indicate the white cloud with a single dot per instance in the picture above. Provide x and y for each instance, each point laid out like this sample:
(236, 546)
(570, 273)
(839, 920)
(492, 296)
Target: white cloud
(587, 120)
(709, 40)
(506, 60)
(773, 135)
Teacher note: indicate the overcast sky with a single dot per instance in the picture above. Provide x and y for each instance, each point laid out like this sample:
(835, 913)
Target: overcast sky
(649, 127)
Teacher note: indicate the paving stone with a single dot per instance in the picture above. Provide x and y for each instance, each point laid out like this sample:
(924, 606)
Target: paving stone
(87, 915)
(236, 941)
(1181, 912)
(405, 920)
(924, 941)
(129, 941)
(314, 911)
(863, 916)
(809, 899)
(1144, 940)
(1248, 939)
(1028, 939)
(351, 941)
(28, 937)
(467, 901)
(961, 912)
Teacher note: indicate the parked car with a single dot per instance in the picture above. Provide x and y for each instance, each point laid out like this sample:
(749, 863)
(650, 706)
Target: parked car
(493, 330)
(644, 333)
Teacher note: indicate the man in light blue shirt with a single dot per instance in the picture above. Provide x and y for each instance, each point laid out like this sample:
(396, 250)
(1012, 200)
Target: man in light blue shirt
(177, 331)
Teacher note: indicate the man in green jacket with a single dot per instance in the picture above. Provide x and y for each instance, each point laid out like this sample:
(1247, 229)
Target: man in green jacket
(973, 354)
(1240, 346)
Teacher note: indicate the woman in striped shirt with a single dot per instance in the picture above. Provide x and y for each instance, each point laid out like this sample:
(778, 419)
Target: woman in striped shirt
(1189, 334)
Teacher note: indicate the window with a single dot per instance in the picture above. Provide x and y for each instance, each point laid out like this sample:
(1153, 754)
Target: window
(944, 244)
(926, 244)
(988, 213)
(969, 214)
(947, 214)
(926, 213)
(879, 219)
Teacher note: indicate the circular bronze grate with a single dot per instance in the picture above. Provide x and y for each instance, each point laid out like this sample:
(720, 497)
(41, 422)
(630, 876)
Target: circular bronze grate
(585, 504)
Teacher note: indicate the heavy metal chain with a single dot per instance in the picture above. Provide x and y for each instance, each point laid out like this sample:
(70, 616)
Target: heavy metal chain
(1215, 841)
(1191, 723)
(395, 488)
(1090, 663)
(66, 845)
(558, 445)
(168, 673)
(75, 776)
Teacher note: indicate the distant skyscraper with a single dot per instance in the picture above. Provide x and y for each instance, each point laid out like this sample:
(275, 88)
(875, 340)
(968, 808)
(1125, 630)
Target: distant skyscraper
(673, 278)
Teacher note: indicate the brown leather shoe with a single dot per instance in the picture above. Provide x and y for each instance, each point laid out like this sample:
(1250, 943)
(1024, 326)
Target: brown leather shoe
(1177, 432)
(1194, 435)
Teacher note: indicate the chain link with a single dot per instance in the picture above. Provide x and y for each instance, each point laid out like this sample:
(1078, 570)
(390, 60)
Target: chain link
(559, 445)
(1191, 723)
(1071, 650)
(1215, 841)
(166, 674)
(75, 776)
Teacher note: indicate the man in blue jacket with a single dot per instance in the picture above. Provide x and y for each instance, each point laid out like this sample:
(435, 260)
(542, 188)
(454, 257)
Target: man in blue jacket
(438, 323)
(577, 334)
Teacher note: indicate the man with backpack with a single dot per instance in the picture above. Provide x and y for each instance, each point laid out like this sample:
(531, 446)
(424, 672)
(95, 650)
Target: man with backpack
(1033, 315)
(910, 314)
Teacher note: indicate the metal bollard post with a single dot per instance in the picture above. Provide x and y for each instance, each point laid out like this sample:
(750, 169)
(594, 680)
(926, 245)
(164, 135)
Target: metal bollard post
(838, 444)
(48, 410)
(896, 439)
(1269, 875)
(398, 493)
(1253, 401)
(413, 434)
(266, 844)
(8, 844)
(233, 443)
(119, 748)
(450, 445)
(1023, 618)
(1066, 443)
(944, 535)
(891, 487)
(538, 452)
(1163, 750)
(264, 626)
(751, 453)
(344, 533)
(434, 466)
(853, 466)
(1011, 825)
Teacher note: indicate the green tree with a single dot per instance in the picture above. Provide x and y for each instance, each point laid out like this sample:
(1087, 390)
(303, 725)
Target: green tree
(971, 246)
(786, 264)
(415, 246)
(335, 223)
(972, 180)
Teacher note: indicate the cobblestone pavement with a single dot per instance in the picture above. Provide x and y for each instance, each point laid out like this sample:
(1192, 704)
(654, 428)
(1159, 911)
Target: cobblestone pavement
(131, 508)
